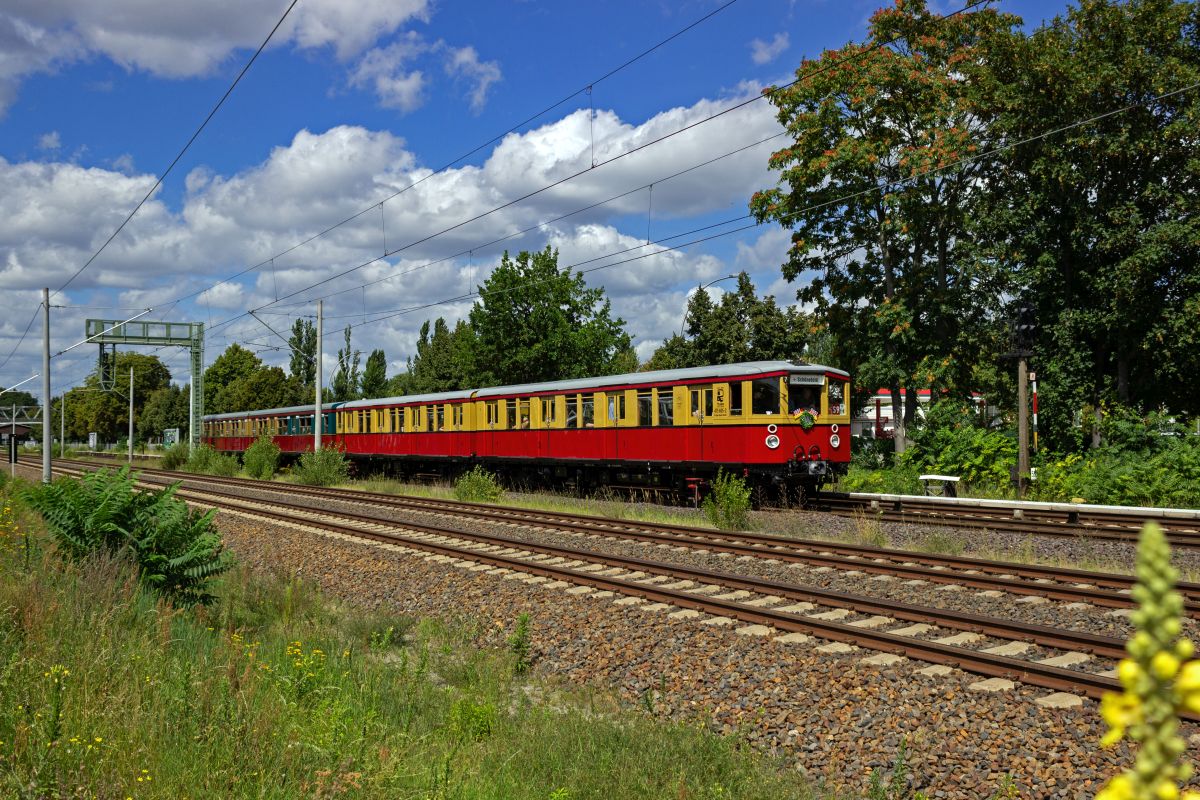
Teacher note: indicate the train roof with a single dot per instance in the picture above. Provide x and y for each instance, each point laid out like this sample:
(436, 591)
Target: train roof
(744, 370)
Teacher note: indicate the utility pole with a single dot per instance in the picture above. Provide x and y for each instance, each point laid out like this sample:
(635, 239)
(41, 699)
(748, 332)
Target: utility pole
(1025, 331)
(62, 427)
(320, 377)
(12, 445)
(47, 436)
(1022, 427)
(131, 415)
(191, 411)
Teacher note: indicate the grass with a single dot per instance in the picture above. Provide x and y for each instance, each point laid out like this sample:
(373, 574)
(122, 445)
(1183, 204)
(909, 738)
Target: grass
(275, 691)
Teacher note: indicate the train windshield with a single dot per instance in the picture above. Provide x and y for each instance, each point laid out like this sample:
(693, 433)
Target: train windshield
(804, 394)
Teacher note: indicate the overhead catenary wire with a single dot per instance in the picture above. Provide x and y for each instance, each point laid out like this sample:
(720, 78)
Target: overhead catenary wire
(475, 248)
(757, 97)
(816, 206)
(587, 88)
(181, 153)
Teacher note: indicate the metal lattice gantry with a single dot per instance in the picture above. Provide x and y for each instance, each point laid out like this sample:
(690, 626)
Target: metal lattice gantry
(160, 334)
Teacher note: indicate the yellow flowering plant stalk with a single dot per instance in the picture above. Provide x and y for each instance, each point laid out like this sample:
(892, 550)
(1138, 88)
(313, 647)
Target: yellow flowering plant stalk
(1158, 683)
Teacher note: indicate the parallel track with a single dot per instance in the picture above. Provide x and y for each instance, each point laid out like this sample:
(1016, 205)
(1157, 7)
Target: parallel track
(1063, 584)
(581, 568)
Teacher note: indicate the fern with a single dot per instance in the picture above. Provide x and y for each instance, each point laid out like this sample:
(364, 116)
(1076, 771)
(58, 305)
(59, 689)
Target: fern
(177, 550)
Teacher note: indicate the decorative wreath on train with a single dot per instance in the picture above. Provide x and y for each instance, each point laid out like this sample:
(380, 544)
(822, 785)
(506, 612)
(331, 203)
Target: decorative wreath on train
(807, 419)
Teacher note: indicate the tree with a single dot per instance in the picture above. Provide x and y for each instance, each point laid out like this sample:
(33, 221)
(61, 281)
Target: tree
(741, 327)
(165, 408)
(534, 322)
(236, 363)
(265, 387)
(441, 363)
(107, 413)
(881, 185)
(303, 348)
(1096, 225)
(374, 377)
(346, 381)
(18, 398)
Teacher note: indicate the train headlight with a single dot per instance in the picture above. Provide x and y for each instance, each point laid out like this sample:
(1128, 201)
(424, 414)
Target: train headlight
(835, 441)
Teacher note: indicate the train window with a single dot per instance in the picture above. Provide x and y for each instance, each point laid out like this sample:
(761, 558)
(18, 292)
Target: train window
(549, 406)
(804, 396)
(508, 411)
(438, 423)
(837, 398)
(645, 407)
(523, 414)
(735, 398)
(368, 418)
(573, 411)
(616, 407)
(765, 396)
(587, 411)
(458, 416)
(666, 407)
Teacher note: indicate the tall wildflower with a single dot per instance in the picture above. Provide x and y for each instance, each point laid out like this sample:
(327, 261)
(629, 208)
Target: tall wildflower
(1158, 684)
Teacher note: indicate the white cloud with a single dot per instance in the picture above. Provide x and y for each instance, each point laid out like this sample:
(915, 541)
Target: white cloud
(765, 52)
(50, 141)
(463, 62)
(384, 70)
(182, 39)
(54, 215)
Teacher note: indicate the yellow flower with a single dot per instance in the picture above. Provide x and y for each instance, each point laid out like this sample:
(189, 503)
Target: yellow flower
(1189, 677)
(1128, 672)
(1119, 712)
(1167, 790)
(1165, 665)
(1119, 788)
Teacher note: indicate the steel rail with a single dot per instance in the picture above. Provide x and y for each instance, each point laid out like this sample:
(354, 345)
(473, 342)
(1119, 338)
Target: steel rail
(1062, 639)
(905, 564)
(979, 662)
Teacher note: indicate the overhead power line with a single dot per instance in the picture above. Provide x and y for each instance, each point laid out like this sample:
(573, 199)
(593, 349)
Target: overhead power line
(193, 138)
(379, 203)
(756, 98)
(384, 315)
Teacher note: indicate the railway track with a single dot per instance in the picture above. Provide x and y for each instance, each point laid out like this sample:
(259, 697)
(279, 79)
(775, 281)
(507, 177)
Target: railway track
(729, 596)
(1067, 585)
(1046, 519)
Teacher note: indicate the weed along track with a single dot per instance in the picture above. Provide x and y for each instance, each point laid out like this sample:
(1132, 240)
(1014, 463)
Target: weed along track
(1102, 589)
(941, 637)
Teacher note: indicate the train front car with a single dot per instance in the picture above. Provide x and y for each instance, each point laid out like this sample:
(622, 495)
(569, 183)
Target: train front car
(816, 433)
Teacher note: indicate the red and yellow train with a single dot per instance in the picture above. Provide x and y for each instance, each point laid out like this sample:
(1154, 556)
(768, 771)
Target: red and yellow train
(777, 423)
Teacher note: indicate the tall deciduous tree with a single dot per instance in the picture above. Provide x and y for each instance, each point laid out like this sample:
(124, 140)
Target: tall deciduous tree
(236, 363)
(535, 322)
(741, 327)
(1097, 223)
(374, 377)
(346, 383)
(165, 408)
(303, 344)
(880, 186)
(441, 363)
(89, 409)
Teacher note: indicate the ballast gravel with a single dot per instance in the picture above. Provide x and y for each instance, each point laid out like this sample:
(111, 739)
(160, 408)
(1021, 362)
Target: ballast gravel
(828, 714)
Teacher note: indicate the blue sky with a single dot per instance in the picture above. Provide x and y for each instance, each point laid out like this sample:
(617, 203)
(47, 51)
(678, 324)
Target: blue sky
(353, 101)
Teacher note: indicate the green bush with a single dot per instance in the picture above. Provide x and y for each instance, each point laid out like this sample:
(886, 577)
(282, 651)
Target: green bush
(478, 486)
(177, 550)
(325, 467)
(951, 442)
(261, 459)
(728, 504)
(175, 456)
(205, 460)
(1168, 475)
